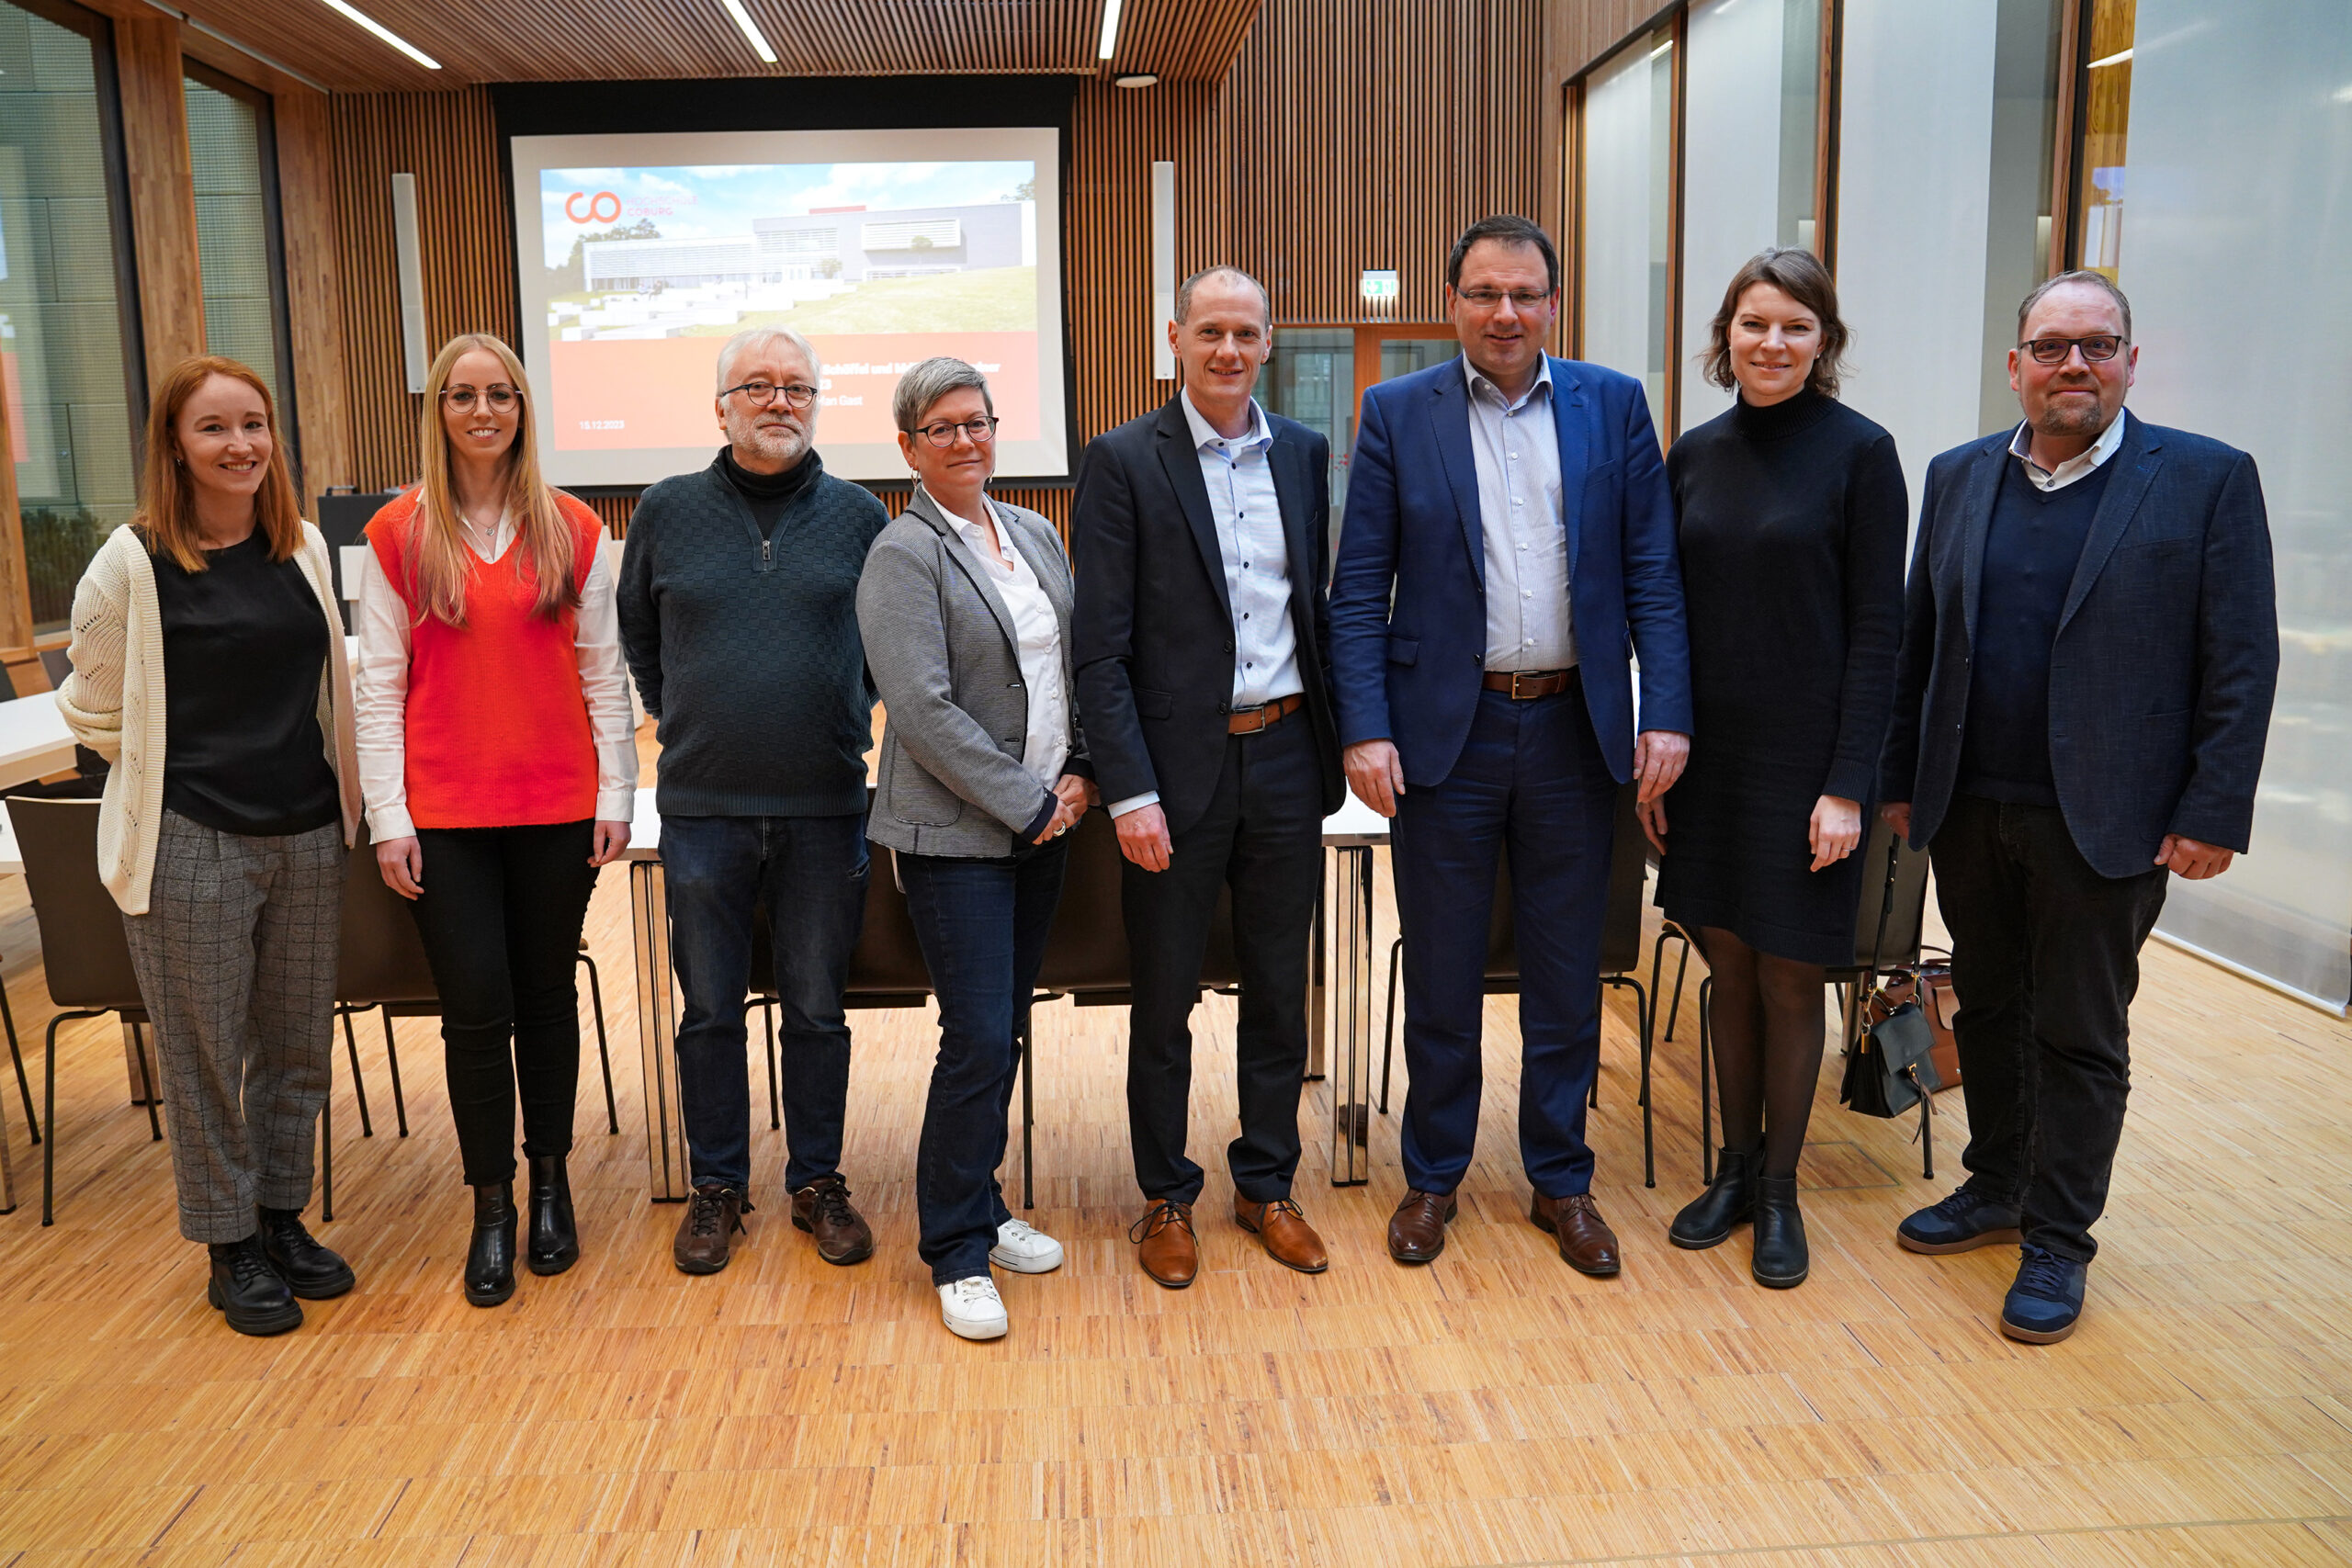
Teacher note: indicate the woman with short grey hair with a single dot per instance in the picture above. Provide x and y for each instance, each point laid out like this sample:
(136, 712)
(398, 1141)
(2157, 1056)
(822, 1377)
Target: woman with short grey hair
(965, 608)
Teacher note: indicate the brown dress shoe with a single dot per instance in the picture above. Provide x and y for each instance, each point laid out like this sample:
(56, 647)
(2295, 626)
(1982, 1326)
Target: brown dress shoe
(1587, 1243)
(822, 1209)
(1165, 1245)
(1290, 1240)
(1417, 1230)
(706, 1233)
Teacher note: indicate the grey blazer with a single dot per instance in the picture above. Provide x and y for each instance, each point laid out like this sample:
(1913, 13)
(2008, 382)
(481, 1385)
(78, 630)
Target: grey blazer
(945, 656)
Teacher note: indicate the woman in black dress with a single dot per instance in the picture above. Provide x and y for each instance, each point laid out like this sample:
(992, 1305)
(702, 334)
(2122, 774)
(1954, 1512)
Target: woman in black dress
(1792, 516)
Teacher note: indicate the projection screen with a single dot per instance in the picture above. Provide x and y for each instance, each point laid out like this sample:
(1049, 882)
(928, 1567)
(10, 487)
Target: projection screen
(638, 255)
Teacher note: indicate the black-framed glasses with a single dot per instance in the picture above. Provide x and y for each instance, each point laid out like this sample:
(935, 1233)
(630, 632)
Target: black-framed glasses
(499, 396)
(2098, 348)
(796, 395)
(979, 430)
(1488, 298)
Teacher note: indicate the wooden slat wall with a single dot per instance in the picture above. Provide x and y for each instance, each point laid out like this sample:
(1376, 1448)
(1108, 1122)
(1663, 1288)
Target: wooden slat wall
(1586, 30)
(305, 134)
(162, 189)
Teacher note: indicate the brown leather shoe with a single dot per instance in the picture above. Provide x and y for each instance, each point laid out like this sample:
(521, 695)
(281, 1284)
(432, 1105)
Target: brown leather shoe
(1165, 1244)
(1417, 1230)
(822, 1209)
(1587, 1243)
(706, 1233)
(1290, 1240)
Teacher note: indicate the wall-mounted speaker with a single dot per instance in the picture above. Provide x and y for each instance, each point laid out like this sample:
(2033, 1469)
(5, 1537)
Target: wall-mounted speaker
(409, 262)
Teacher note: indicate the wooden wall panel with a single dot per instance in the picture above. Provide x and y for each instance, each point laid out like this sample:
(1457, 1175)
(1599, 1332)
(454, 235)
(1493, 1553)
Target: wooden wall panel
(1587, 30)
(306, 189)
(162, 190)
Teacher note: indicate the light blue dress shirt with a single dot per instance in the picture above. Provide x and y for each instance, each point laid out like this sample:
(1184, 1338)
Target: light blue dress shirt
(1516, 447)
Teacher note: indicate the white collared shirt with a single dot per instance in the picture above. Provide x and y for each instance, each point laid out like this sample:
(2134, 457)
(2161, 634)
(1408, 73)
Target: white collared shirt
(1515, 446)
(1046, 744)
(380, 698)
(2073, 468)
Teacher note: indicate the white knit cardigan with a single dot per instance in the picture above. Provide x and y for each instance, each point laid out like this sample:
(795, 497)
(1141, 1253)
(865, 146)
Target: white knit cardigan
(113, 702)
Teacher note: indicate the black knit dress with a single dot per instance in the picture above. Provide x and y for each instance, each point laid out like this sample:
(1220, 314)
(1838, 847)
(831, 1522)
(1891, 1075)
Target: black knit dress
(1792, 523)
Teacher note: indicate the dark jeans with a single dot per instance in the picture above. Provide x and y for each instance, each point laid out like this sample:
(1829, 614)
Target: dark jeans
(500, 917)
(810, 873)
(982, 925)
(1263, 836)
(2045, 958)
(1530, 780)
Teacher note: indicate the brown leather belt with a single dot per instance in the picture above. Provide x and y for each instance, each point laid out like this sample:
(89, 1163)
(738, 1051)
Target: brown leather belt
(1265, 715)
(1523, 684)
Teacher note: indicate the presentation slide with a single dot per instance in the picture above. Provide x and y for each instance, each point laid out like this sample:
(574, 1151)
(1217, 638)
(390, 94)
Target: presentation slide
(639, 255)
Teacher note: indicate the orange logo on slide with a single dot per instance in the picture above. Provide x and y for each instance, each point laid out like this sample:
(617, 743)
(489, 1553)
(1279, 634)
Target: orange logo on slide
(595, 213)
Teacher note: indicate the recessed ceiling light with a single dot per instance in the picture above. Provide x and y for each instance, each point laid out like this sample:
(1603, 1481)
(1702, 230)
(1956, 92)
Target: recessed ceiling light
(1110, 29)
(381, 31)
(752, 34)
(1135, 79)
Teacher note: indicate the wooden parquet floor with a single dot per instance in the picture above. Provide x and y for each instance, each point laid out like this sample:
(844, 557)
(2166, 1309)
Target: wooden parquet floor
(1494, 1409)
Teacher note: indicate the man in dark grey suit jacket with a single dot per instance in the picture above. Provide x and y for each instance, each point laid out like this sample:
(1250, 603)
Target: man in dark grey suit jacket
(1199, 537)
(2090, 647)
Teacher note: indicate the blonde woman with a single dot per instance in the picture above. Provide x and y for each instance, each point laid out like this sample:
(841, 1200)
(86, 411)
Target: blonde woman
(208, 669)
(500, 770)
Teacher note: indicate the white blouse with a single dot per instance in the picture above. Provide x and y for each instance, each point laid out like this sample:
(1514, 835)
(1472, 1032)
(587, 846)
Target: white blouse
(1047, 745)
(379, 693)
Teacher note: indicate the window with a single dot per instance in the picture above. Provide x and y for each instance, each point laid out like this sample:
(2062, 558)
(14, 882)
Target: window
(1628, 213)
(1311, 378)
(237, 238)
(66, 334)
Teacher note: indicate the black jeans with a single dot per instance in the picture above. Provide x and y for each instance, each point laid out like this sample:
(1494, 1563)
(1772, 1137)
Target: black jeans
(982, 925)
(809, 872)
(1262, 835)
(2045, 960)
(500, 917)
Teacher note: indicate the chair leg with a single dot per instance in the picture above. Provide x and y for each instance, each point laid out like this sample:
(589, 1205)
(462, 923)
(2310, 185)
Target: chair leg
(1028, 1117)
(351, 1043)
(326, 1141)
(24, 1086)
(1706, 1096)
(392, 1060)
(1681, 969)
(1388, 1042)
(1642, 1024)
(776, 1098)
(49, 1115)
(604, 1056)
(146, 1084)
(1927, 1136)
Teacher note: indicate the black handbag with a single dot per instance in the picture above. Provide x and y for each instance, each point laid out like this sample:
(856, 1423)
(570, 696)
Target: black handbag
(1892, 1067)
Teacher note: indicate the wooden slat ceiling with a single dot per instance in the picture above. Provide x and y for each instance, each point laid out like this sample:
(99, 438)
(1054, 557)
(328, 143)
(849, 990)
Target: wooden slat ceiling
(571, 40)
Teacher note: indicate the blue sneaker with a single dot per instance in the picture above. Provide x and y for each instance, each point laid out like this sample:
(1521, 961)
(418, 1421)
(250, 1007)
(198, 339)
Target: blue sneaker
(1960, 1222)
(2046, 1302)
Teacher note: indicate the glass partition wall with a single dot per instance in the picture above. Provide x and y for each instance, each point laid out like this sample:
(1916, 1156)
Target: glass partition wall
(237, 238)
(1627, 209)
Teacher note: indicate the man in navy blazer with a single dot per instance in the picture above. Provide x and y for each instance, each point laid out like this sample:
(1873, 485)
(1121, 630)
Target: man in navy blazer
(2090, 647)
(1508, 539)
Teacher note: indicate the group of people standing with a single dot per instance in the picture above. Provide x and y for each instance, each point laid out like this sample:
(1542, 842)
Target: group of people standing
(2066, 705)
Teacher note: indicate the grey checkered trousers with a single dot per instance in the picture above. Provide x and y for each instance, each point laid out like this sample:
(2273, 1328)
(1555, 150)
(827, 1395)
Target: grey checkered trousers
(236, 959)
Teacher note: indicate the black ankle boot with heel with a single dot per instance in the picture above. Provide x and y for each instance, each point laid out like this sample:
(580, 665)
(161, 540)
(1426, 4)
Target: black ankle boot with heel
(489, 1260)
(555, 1235)
(1729, 1199)
(247, 1291)
(1781, 1261)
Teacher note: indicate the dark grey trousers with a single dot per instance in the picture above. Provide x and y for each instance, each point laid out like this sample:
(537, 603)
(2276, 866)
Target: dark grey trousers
(236, 959)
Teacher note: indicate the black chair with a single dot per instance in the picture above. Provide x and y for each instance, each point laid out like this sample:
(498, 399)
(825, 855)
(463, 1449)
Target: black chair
(382, 965)
(1621, 954)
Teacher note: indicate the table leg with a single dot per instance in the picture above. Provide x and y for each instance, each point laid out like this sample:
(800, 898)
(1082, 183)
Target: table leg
(1350, 1008)
(657, 1028)
(1318, 989)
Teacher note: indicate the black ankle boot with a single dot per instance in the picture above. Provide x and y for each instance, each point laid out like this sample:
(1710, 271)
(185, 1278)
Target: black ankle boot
(1781, 1257)
(310, 1270)
(489, 1261)
(247, 1291)
(555, 1236)
(1707, 1219)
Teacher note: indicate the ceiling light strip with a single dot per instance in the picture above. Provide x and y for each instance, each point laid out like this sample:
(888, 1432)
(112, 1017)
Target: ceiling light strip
(752, 34)
(381, 31)
(1110, 30)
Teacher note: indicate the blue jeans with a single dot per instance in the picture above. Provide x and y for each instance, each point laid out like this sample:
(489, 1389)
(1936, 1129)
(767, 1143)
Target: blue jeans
(1530, 778)
(809, 872)
(982, 925)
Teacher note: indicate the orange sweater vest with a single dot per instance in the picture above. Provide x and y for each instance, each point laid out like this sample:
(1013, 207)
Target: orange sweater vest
(496, 724)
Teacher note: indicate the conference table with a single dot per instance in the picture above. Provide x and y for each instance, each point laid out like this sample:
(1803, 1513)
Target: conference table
(34, 741)
(1340, 1001)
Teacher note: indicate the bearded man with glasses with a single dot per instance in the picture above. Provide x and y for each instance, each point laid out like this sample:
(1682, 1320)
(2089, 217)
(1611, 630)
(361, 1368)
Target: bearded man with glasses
(2090, 647)
(738, 615)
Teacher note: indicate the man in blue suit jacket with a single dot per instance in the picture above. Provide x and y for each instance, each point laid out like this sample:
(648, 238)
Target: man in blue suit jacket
(2090, 647)
(1509, 536)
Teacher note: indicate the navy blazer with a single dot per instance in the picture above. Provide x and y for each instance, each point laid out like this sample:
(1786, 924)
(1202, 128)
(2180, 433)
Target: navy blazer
(1152, 633)
(1408, 667)
(2166, 656)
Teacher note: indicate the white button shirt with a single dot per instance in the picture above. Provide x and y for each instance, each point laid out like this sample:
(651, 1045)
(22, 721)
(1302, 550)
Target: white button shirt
(1516, 447)
(1046, 744)
(2073, 468)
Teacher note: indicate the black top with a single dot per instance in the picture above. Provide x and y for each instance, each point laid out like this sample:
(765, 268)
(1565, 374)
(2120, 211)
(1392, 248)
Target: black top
(2032, 546)
(244, 646)
(741, 634)
(1792, 521)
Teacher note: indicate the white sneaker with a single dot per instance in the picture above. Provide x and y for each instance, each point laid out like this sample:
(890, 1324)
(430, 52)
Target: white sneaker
(972, 1310)
(1024, 1249)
